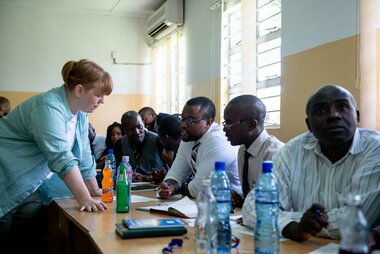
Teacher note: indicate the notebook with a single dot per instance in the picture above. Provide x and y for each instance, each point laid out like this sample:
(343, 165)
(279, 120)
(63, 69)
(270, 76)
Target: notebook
(124, 232)
(185, 208)
(153, 223)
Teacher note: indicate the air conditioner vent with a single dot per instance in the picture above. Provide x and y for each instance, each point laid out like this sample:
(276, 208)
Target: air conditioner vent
(165, 19)
(158, 30)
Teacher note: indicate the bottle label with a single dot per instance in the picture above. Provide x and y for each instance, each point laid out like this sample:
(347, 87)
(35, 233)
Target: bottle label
(107, 190)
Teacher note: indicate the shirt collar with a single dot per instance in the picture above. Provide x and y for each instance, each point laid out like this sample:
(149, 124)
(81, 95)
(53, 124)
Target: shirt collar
(256, 145)
(313, 144)
(62, 93)
(204, 136)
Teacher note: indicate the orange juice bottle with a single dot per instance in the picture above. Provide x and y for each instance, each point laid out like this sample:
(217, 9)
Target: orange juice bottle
(107, 183)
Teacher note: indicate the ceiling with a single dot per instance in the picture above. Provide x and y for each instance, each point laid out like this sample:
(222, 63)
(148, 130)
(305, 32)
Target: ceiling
(133, 8)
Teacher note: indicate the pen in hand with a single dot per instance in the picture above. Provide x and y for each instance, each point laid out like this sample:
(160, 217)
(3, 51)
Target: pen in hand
(165, 189)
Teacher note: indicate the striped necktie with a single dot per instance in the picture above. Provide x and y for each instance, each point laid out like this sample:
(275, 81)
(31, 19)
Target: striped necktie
(137, 155)
(194, 152)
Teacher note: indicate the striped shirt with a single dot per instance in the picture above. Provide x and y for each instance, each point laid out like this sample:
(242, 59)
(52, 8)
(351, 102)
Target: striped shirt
(306, 176)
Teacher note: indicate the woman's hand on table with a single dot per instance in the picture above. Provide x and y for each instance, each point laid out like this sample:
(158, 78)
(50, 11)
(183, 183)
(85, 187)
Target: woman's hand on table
(92, 205)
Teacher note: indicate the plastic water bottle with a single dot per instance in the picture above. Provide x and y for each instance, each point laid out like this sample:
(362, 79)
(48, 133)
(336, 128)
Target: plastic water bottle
(220, 186)
(129, 170)
(354, 228)
(123, 188)
(205, 223)
(107, 183)
(112, 162)
(266, 233)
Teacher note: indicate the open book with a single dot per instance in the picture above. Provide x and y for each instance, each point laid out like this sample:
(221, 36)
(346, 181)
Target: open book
(184, 208)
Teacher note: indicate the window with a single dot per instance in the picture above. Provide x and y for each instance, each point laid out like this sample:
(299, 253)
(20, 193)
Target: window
(232, 51)
(169, 73)
(268, 55)
(268, 50)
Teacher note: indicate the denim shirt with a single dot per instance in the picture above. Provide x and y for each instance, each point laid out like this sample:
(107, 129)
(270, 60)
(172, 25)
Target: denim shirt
(33, 142)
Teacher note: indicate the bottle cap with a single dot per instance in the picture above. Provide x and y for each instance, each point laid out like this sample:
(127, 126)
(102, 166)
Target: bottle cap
(125, 158)
(110, 151)
(267, 166)
(220, 165)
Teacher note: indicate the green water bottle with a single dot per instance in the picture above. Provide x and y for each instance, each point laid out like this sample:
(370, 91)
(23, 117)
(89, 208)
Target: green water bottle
(123, 195)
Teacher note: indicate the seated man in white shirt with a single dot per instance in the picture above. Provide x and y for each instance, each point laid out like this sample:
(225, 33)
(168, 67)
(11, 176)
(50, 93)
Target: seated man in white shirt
(244, 125)
(203, 143)
(316, 170)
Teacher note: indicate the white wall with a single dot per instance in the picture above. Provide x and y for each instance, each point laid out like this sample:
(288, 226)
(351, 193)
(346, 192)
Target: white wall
(35, 44)
(202, 37)
(314, 23)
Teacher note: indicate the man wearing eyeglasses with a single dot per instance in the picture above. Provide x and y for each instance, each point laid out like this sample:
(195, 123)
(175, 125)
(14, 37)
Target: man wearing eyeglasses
(202, 144)
(244, 125)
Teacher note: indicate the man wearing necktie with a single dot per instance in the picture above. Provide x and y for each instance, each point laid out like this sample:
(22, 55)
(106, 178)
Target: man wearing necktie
(142, 147)
(244, 125)
(202, 144)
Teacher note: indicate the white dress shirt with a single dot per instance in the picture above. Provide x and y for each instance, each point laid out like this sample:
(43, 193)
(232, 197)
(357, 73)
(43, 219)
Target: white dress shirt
(214, 147)
(306, 176)
(262, 149)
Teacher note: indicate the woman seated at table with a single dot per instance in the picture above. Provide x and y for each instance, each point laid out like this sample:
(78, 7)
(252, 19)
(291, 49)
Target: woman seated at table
(114, 132)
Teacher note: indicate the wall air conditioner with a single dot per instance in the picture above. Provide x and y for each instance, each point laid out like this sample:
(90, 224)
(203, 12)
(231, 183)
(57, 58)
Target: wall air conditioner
(166, 19)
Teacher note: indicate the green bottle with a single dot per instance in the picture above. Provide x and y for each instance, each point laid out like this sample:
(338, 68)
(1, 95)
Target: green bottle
(123, 188)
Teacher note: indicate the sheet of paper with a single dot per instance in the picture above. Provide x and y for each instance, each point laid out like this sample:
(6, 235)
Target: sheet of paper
(186, 206)
(237, 228)
(137, 199)
(191, 222)
(327, 249)
(161, 206)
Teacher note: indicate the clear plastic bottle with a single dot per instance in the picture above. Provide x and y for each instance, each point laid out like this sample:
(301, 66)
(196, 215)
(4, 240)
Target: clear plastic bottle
(266, 233)
(220, 186)
(205, 223)
(354, 228)
(107, 183)
(129, 171)
(112, 162)
(123, 189)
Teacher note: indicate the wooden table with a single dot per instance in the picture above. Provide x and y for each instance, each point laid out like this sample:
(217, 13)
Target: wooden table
(71, 231)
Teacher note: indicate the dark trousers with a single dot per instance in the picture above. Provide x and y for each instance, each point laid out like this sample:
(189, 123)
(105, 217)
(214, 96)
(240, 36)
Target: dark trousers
(24, 228)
